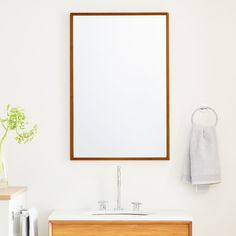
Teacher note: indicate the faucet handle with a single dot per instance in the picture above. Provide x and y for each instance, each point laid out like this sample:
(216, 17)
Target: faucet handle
(102, 205)
(136, 206)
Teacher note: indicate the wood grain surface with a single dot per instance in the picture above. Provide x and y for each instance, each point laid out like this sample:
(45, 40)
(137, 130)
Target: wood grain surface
(113, 228)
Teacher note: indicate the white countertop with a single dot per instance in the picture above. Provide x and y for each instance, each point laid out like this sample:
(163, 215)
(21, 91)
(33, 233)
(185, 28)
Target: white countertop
(157, 215)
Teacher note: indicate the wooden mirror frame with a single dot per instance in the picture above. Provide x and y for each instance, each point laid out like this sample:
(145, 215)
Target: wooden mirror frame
(72, 89)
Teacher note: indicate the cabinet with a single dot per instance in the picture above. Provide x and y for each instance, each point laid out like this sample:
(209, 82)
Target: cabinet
(72, 224)
(117, 228)
(12, 200)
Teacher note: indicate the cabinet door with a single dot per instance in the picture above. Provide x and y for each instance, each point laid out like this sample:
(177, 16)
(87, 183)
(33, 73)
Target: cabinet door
(120, 228)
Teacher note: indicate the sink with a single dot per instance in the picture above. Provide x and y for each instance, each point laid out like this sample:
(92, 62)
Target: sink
(118, 213)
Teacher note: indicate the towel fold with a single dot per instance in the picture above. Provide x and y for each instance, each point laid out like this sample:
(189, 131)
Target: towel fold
(202, 167)
(24, 223)
(29, 222)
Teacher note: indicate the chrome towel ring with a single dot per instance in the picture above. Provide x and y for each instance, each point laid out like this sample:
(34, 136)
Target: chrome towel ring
(202, 108)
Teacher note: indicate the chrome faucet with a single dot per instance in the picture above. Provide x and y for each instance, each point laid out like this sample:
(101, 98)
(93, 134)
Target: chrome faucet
(118, 207)
(119, 210)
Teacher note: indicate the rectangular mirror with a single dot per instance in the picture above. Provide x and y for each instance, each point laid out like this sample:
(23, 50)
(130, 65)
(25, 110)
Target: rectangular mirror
(119, 86)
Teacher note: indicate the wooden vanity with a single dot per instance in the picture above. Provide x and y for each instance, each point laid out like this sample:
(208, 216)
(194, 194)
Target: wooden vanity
(70, 223)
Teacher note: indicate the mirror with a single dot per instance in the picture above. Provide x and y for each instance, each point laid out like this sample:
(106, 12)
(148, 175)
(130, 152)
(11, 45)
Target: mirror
(119, 75)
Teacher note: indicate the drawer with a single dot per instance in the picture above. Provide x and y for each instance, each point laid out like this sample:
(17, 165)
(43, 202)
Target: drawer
(120, 228)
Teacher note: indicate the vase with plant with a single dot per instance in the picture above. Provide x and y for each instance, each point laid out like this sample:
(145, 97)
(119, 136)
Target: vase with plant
(14, 121)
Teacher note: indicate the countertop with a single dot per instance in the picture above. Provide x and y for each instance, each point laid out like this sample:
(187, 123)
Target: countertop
(9, 193)
(155, 215)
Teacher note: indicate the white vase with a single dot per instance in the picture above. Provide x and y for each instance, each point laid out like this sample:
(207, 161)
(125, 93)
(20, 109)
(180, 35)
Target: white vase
(3, 172)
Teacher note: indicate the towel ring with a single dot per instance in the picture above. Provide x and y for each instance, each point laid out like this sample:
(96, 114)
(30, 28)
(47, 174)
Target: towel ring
(204, 107)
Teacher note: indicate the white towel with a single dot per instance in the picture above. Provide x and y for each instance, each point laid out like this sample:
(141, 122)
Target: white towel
(24, 223)
(30, 222)
(202, 167)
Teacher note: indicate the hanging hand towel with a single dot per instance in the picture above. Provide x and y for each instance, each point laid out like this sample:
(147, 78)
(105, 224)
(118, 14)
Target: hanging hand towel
(33, 222)
(202, 167)
(24, 223)
(30, 227)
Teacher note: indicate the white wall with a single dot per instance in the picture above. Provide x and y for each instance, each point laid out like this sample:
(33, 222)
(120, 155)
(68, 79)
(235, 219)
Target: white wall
(34, 73)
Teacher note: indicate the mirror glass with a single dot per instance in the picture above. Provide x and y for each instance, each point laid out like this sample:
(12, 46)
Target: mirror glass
(119, 86)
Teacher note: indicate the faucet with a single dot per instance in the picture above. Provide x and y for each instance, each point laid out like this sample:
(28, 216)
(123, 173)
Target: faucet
(118, 207)
(102, 204)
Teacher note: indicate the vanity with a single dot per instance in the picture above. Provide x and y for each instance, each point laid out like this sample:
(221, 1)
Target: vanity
(119, 222)
(160, 223)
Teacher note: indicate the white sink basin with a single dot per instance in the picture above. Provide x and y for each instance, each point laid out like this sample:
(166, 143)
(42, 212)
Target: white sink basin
(117, 213)
(125, 215)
